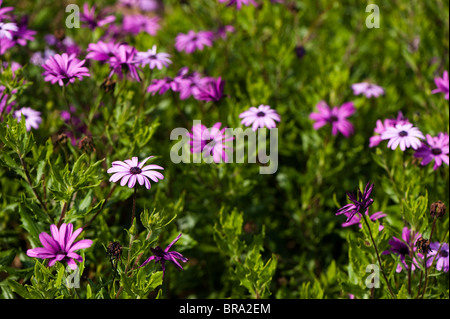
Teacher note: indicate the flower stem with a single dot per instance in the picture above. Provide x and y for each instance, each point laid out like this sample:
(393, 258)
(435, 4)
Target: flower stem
(378, 257)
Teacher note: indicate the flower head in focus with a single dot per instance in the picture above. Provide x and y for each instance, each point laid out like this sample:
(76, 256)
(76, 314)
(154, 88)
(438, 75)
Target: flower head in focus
(336, 116)
(381, 127)
(360, 202)
(131, 171)
(403, 135)
(436, 148)
(441, 258)
(160, 255)
(60, 245)
(260, 117)
(64, 69)
(402, 248)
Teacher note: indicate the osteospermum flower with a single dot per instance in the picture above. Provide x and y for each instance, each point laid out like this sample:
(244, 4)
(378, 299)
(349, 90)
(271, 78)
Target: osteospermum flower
(160, 255)
(92, 20)
(436, 148)
(356, 219)
(101, 51)
(381, 127)
(368, 89)
(137, 23)
(193, 41)
(336, 116)
(263, 116)
(360, 203)
(441, 259)
(402, 248)
(131, 171)
(210, 89)
(60, 246)
(64, 69)
(123, 62)
(405, 135)
(210, 142)
(238, 3)
(442, 85)
(32, 117)
(153, 59)
(162, 85)
(6, 29)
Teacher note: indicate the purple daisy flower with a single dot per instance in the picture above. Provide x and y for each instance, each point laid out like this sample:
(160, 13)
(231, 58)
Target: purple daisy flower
(337, 117)
(123, 62)
(23, 34)
(210, 89)
(382, 126)
(402, 248)
(360, 203)
(101, 51)
(405, 135)
(238, 3)
(160, 255)
(188, 83)
(356, 219)
(32, 117)
(64, 69)
(442, 259)
(210, 142)
(442, 85)
(193, 41)
(436, 148)
(263, 116)
(92, 20)
(162, 85)
(137, 23)
(60, 246)
(3, 11)
(7, 29)
(153, 59)
(368, 89)
(132, 170)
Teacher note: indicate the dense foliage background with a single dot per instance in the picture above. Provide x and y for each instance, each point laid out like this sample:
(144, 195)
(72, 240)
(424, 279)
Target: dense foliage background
(246, 235)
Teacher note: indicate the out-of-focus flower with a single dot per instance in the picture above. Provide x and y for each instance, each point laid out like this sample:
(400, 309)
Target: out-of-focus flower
(360, 203)
(162, 85)
(368, 89)
(131, 171)
(160, 255)
(260, 117)
(405, 135)
(101, 51)
(4, 11)
(193, 41)
(187, 83)
(153, 59)
(222, 31)
(238, 3)
(60, 246)
(210, 142)
(32, 117)
(92, 20)
(123, 62)
(138, 23)
(356, 219)
(402, 248)
(382, 126)
(442, 85)
(336, 116)
(7, 29)
(23, 34)
(436, 148)
(210, 89)
(64, 69)
(441, 259)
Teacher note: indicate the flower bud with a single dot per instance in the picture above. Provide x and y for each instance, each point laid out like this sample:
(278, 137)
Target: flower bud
(114, 250)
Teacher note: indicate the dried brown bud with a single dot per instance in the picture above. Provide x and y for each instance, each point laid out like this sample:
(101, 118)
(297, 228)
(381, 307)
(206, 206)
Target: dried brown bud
(114, 250)
(423, 245)
(108, 85)
(437, 209)
(86, 144)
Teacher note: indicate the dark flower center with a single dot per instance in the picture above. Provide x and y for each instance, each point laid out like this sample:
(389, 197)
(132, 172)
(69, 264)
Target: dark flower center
(436, 151)
(443, 253)
(211, 142)
(153, 57)
(403, 133)
(261, 114)
(404, 251)
(135, 170)
(333, 118)
(158, 252)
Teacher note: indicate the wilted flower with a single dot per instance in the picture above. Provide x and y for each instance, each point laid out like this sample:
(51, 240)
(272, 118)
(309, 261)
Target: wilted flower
(238, 3)
(160, 255)
(153, 59)
(64, 69)
(193, 41)
(60, 245)
(210, 142)
(437, 209)
(131, 170)
(263, 116)
(442, 259)
(337, 117)
(32, 117)
(436, 148)
(360, 203)
(405, 135)
(442, 85)
(368, 89)
(402, 248)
